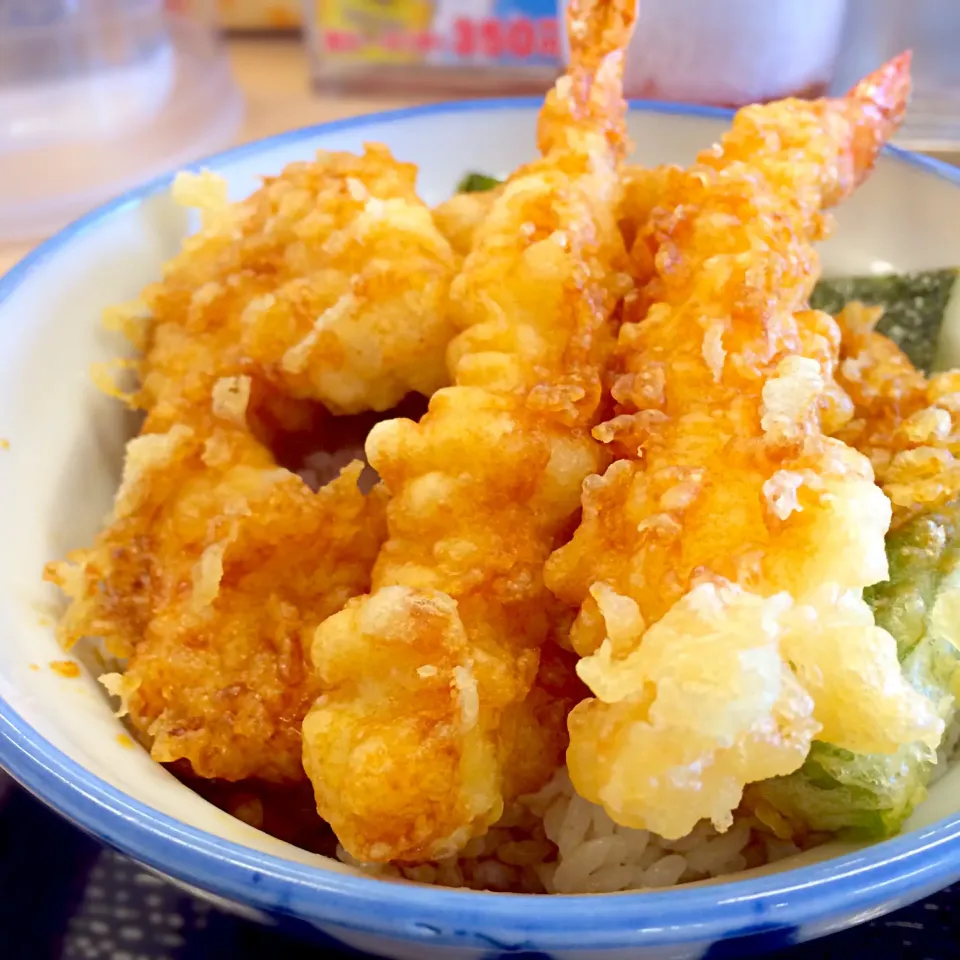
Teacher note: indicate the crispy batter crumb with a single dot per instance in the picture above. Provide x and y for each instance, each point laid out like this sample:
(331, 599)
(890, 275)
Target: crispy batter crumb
(125, 741)
(65, 668)
(121, 686)
(231, 396)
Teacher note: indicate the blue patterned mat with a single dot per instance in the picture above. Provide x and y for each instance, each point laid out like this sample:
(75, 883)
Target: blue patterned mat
(64, 897)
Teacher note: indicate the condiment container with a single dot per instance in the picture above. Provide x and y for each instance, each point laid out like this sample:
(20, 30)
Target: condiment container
(456, 47)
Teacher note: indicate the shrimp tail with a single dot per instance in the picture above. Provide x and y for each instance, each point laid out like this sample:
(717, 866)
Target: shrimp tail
(887, 88)
(599, 29)
(589, 95)
(877, 106)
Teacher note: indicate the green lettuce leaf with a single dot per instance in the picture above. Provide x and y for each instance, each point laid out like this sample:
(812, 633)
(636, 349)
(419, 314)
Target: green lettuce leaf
(866, 796)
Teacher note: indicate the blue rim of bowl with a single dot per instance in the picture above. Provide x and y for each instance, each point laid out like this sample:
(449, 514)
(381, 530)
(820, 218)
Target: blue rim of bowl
(820, 896)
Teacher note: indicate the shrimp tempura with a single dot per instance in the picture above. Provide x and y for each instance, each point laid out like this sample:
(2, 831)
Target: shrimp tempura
(356, 315)
(719, 568)
(429, 680)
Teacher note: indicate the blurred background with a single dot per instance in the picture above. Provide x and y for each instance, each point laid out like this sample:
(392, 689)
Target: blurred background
(98, 95)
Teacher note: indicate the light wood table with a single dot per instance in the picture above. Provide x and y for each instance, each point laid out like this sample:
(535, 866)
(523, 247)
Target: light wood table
(274, 77)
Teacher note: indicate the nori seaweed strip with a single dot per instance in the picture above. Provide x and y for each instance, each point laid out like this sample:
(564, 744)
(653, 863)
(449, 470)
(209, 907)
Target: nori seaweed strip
(477, 183)
(914, 306)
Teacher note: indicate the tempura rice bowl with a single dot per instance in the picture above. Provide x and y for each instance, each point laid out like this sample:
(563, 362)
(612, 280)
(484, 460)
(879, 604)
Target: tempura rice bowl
(59, 736)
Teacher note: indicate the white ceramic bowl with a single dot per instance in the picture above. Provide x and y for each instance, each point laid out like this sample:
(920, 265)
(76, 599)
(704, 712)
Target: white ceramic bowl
(59, 737)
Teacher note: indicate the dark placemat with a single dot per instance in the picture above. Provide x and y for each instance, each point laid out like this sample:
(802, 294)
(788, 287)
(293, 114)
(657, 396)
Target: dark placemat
(65, 897)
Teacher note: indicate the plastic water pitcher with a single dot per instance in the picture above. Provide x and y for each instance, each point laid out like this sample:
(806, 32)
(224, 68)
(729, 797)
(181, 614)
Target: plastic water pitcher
(96, 95)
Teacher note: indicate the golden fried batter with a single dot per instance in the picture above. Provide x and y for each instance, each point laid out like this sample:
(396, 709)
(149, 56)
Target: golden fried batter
(357, 314)
(414, 743)
(211, 578)
(459, 217)
(907, 425)
(218, 564)
(656, 533)
(719, 568)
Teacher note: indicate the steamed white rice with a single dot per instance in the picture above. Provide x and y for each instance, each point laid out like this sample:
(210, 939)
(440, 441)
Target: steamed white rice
(554, 841)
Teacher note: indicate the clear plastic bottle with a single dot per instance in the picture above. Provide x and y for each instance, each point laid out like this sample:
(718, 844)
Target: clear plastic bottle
(97, 95)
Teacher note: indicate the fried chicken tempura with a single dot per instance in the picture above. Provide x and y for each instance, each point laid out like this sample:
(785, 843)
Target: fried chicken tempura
(719, 568)
(356, 314)
(211, 580)
(218, 564)
(907, 425)
(431, 711)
